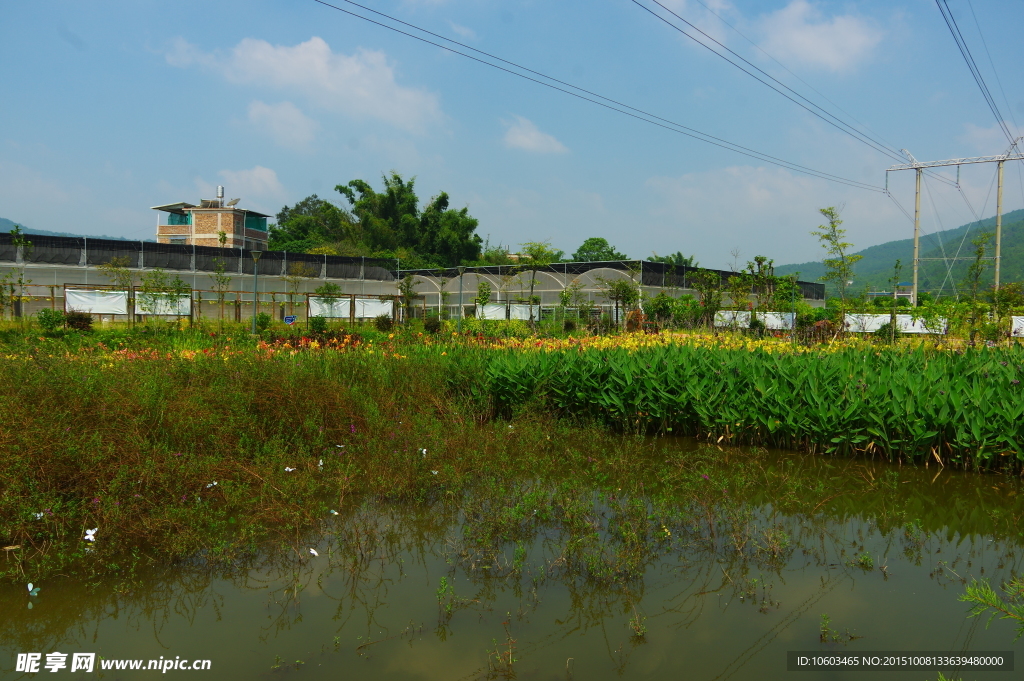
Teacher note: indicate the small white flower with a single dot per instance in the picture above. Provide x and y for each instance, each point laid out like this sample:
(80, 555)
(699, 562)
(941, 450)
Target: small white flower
(434, 472)
(424, 453)
(313, 551)
(211, 484)
(321, 466)
(288, 469)
(333, 512)
(38, 516)
(339, 445)
(90, 535)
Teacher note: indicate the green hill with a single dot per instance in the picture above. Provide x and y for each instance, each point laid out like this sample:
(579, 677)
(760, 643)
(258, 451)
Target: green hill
(876, 268)
(7, 225)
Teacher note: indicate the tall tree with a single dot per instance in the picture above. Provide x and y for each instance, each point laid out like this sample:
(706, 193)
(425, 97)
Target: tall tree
(391, 220)
(596, 249)
(838, 267)
(310, 223)
(534, 256)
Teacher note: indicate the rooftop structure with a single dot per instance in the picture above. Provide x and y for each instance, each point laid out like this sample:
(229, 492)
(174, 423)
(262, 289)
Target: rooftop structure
(190, 225)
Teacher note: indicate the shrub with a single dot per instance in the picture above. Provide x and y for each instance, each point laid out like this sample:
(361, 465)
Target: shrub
(263, 320)
(383, 322)
(51, 320)
(569, 326)
(432, 324)
(79, 321)
(318, 324)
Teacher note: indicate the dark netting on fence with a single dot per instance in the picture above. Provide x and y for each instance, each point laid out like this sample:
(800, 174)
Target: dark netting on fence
(8, 251)
(378, 272)
(167, 256)
(304, 264)
(103, 251)
(55, 251)
(207, 258)
(270, 263)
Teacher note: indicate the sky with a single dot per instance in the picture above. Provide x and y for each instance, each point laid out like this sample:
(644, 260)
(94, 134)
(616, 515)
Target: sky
(110, 108)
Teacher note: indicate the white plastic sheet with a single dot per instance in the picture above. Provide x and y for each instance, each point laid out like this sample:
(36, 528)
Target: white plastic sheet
(96, 302)
(776, 321)
(905, 323)
(1017, 327)
(331, 308)
(737, 318)
(163, 305)
(491, 311)
(369, 308)
(523, 312)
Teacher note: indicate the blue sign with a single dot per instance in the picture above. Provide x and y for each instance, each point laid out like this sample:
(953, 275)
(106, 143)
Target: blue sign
(290, 319)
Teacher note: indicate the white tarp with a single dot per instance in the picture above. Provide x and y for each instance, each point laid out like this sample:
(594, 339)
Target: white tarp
(905, 323)
(331, 308)
(1017, 327)
(776, 321)
(96, 302)
(523, 312)
(491, 311)
(738, 318)
(369, 308)
(163, 305)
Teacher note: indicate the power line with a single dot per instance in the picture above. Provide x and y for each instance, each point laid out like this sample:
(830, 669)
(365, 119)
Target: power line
(834, 122)
(837, 123)
(973, 66)
(593, 97)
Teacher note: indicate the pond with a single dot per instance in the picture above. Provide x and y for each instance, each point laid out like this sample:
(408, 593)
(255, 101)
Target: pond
(571, 579)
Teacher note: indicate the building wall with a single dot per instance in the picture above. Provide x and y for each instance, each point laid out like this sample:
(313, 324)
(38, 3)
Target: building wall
(208, 222)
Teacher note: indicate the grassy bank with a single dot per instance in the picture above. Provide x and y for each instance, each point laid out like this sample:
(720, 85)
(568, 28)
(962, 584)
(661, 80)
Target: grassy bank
(178, 446)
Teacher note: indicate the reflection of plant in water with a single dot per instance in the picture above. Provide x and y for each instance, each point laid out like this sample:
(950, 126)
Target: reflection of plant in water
(501, 659)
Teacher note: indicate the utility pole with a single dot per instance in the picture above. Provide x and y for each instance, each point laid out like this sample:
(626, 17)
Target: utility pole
(999, 223)
(1011, 154)
(917, 231)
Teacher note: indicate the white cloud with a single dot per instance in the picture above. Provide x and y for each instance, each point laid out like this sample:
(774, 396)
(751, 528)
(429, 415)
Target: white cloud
(258, 187)
(463, 31)
(523, 134)
(284, 122)
(361, 85)
(988, 141)
(800, 33)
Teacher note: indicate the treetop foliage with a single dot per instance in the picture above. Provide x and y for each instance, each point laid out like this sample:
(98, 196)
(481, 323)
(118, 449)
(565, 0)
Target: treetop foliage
(385, 224)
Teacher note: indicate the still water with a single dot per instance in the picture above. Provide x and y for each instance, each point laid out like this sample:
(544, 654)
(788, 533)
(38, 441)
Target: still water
(405, 593)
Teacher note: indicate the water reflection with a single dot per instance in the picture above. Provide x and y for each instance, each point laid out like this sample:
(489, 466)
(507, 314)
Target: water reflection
(713, 572)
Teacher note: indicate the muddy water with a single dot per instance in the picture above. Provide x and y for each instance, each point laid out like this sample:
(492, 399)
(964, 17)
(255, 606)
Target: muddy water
(886, 567)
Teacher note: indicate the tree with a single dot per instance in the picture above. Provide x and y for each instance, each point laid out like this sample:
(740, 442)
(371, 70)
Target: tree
(708, 285)
(407, 293)
(596, 249)
(839, 267)
(622, 292)
(677, 259)
(297, 273)
(762, 281)
(534, 256)
(310, 223)
(392, 220)
(24, 246)
(483, 293)
(120, 276)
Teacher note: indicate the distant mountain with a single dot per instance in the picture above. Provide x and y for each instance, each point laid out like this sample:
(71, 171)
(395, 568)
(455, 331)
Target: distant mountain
(876, 268)
(7, 225)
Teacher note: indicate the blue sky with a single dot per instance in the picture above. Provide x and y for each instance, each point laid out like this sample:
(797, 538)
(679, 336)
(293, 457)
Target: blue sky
(112, 107)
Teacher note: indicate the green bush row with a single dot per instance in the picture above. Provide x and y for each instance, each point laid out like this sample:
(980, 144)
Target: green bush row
(965, 408)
